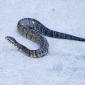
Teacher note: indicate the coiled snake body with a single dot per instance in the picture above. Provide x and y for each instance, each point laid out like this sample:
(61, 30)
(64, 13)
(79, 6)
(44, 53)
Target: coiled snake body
(34, 30)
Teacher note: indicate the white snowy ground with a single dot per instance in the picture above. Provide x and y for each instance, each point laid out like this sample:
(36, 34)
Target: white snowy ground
(65, 62)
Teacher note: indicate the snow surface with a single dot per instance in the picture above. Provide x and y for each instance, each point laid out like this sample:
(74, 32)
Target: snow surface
(65, 62)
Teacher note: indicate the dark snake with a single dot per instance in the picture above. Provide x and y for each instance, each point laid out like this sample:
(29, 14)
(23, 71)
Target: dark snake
(34, 30)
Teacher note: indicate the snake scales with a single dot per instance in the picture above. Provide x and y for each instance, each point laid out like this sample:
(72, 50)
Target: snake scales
(34, 30)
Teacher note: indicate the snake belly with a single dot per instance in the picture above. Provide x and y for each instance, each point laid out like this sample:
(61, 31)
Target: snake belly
(27, 28)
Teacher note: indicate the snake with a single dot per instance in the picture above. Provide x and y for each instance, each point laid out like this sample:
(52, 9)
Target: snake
(35, 31)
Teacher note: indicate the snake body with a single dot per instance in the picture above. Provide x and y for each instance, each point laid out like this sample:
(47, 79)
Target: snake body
(34, 30)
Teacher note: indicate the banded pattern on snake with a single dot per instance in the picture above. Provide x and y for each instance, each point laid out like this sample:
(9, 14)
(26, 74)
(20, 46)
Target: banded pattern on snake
(34, 30)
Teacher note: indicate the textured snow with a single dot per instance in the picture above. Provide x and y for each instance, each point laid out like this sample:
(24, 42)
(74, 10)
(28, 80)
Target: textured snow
(65, 62)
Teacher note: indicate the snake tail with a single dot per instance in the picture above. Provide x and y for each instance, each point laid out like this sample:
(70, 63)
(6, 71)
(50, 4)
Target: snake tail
(42, 51)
